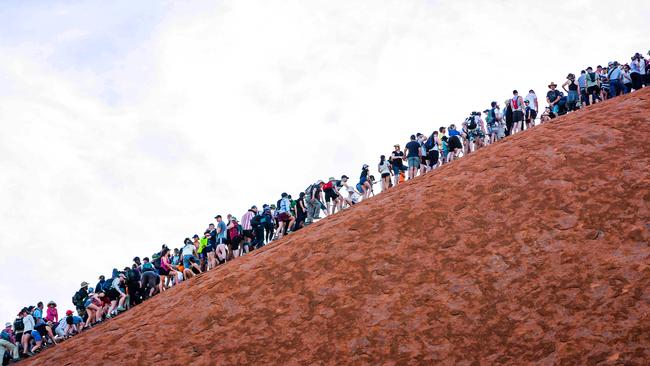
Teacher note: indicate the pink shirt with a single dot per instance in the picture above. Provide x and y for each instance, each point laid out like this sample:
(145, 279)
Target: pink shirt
(52, 315)
(246, 220)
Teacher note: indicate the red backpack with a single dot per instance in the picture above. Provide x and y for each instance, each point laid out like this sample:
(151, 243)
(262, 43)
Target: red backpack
(235, 232)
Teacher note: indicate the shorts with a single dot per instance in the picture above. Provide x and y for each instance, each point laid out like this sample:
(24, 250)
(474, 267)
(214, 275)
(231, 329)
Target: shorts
(433, 157)
(248, 234)
(330, 195)
(531, 114)
(87, 303)
(398, 168)
(186, 261)
(113, 294)
(208, 249)
(384, 175)
(454, 143)
(234, 243)
(37, 337)
(163, 272)
(284, 217)
(594, 89)
(41, 329)
(517, 116)
(414, 162)
(423, 159)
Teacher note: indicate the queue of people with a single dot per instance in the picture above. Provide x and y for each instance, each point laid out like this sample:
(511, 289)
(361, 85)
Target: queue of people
(227, 238)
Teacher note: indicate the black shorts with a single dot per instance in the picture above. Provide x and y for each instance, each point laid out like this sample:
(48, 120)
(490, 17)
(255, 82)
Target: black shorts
(248, 234)
(423, 160)
(208, 249)
(234, 243)
(113, 294)
(517, 116)
(531, 114)
(330, 195)
(454, 143)
(149, 279)
(433, 155)
(593, 89)
(163, 272)
(384, 175)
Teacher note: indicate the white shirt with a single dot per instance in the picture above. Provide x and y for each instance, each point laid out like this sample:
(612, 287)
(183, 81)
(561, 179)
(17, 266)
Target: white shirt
(188, 249)
(532, 101)
(28, 321)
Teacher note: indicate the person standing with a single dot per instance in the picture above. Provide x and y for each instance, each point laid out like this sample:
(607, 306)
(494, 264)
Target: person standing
(517, 105)
(533, 104)
(553, 98)
(582, 83)
(573, 97)
(593, 88)
(385, 172)
(247, 228)
(397, 161)
(413, 156)
(507, 115)
(615, 75)
(313, 201)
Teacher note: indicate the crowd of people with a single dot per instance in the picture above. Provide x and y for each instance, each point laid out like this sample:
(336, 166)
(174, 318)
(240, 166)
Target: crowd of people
(225, 239)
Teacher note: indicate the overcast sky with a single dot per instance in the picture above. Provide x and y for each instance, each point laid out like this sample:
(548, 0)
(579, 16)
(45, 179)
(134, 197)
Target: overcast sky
(128, 124)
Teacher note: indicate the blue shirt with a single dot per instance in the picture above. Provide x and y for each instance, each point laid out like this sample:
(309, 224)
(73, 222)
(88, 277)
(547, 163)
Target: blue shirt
(615, 74)
(221, 226)
(582, 81)
(453, 133)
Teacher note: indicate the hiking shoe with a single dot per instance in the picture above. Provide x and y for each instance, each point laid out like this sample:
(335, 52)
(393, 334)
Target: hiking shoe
(120, 309)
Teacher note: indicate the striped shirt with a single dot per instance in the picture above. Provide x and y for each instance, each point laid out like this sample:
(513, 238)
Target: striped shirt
(246, 220)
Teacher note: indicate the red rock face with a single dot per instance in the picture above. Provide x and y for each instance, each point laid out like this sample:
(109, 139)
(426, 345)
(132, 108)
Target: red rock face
(532, 251)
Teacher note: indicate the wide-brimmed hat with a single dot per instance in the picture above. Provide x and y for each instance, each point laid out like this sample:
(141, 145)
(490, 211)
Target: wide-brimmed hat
(51, 303)
(552, 84)
(84, 284)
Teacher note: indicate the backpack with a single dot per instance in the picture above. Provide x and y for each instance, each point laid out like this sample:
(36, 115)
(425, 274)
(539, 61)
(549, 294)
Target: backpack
(148, 267)
(235, 232)
(591, 76)
(515, 103)
(5, 335)
(309, 192)
(77, 299)
(256, 221)
(107, 285)
(19, 326)
(155, 259)
(132, 275)
(472, 123)
(328, 185)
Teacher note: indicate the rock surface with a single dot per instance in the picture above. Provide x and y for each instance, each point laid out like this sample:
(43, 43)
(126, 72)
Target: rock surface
(532, 251)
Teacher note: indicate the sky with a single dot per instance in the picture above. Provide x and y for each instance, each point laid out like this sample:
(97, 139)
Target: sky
(126, 125)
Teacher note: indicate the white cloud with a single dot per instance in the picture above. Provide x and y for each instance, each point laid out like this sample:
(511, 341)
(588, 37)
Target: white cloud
(122, 131)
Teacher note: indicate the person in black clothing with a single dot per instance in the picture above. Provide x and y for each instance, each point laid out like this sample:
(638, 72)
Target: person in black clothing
(397, 161)
(507, 113)
(414, 156)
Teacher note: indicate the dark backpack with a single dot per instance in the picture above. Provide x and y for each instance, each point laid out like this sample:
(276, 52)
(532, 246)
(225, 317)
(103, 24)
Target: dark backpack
(471, 124)
(107, 285)
(310, 191)
(19, 326)
(78, 299)
(132, 275)
(256, 221)
(155, 259)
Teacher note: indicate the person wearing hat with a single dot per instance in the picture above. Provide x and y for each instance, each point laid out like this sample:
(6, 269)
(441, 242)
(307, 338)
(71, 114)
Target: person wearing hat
(79, 298)
(7, 343)
(52, 315)
(364, 185)
(553, 97)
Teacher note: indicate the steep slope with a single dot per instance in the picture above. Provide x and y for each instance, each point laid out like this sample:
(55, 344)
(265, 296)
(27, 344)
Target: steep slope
(534, 250)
